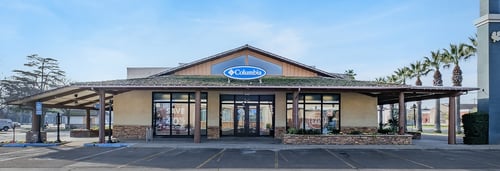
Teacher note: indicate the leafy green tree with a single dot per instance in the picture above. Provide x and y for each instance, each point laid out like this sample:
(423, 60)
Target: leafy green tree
(435, 63)
(350, 74)
(42, 74)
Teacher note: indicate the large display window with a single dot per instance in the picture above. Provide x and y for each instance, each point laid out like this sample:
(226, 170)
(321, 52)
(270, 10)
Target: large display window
(174, 114)
(317, 112)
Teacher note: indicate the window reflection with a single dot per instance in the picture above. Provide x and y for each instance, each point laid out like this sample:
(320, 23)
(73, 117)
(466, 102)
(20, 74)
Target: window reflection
(318, 112)
(218, 69)
(271, 68)
(174, 114)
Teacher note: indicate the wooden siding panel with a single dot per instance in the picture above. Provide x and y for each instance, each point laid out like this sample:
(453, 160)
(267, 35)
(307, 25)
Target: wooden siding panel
(288, 69)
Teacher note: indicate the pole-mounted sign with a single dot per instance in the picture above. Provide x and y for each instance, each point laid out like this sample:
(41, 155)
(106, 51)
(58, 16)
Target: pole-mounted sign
(38, 108)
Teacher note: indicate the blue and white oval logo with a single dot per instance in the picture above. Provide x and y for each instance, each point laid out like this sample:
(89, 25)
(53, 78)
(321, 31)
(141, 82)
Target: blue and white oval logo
(244, 72)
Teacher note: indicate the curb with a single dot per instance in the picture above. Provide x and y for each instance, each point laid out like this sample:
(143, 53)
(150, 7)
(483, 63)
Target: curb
(113, 145)
(31, 145)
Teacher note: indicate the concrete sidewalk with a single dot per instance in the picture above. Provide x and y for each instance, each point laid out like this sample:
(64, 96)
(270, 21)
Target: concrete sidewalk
(427, 142)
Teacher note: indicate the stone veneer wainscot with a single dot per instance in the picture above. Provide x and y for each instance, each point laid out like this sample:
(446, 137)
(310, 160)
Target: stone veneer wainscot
(130, 131)
(348, 139)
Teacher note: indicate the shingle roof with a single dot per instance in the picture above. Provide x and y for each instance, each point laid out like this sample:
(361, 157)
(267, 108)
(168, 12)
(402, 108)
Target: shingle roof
(224, 82)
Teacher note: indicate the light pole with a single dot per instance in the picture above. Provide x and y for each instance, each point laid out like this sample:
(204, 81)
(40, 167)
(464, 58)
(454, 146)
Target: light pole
(58, 129)
(109, 124)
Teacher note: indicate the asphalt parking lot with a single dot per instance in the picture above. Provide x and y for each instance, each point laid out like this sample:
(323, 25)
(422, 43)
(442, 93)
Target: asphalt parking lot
(192, 158)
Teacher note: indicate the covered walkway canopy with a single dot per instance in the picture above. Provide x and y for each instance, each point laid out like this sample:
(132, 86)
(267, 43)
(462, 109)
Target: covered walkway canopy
(86, 95)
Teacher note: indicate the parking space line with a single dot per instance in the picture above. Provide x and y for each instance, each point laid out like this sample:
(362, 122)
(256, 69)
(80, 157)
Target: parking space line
(211, 158)
(93, 155)
(28, 155)
(408, 160)
(276, 154)
(488, 163)
(340, 158)
(148, 158)
(283, 157)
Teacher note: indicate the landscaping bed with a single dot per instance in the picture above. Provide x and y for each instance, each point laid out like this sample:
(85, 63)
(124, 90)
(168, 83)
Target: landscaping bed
(80, 133)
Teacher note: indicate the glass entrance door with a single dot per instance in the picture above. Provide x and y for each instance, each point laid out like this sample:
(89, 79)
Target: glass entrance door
(247, 120)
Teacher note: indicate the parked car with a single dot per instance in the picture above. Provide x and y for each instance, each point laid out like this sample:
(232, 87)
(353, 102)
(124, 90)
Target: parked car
(16, 124)
(5, 124)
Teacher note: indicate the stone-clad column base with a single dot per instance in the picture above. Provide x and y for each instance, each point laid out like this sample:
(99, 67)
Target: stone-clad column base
(213, 133)
(348, 130)
(279, 132)
(130, 131)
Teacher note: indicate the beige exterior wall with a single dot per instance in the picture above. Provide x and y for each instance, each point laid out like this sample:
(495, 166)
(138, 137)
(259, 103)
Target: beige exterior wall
(213, 108)
(133, 108)
(280, 109)
(358, 110)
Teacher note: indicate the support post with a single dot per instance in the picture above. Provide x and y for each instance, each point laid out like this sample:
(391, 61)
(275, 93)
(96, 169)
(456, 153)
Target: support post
(402, 116)
(380, 117)
(457, 117)
(102, 116)
(109, 122)
(197, 117)
(451, 120)
(419, 116)
(437, 117)
(295, 110)
(58, 127)
(87, 120)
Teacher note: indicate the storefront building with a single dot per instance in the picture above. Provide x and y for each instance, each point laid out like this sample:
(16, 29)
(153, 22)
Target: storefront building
(243, 92)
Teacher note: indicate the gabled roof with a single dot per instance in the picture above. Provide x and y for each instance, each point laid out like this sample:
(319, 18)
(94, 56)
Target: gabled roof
(251, 48)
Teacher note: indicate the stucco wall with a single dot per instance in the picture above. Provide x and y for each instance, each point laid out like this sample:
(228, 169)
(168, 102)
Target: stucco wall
(280, 109)
(133, 108)
(358, 110)
(213, 108)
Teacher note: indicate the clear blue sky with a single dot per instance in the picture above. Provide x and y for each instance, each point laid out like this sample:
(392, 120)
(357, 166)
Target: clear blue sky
(97, 40)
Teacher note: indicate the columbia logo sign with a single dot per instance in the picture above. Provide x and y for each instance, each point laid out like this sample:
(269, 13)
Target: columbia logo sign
(244, 72)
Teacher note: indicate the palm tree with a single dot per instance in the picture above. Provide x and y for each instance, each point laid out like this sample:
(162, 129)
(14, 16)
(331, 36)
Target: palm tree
(454, 55)
(380, 80)
(462, 52)
(402, 74)
(417, 70)
(473, 45)
(436, 62)
(393, 79)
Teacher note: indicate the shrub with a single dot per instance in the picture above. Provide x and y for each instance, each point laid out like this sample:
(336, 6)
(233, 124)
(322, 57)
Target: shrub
(355, 132)
(475, 128)
(304, 131)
